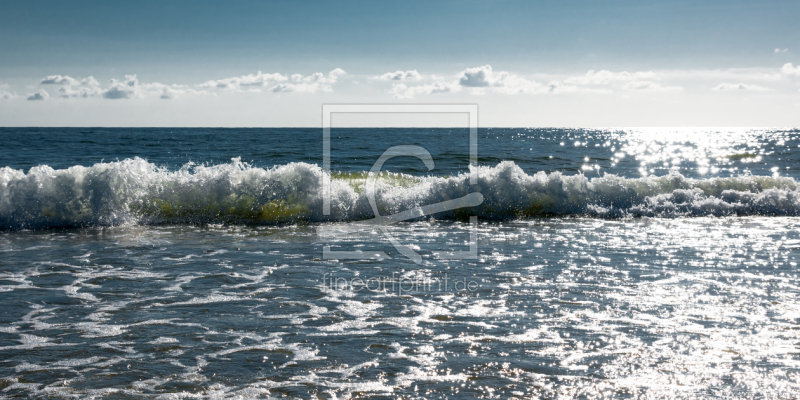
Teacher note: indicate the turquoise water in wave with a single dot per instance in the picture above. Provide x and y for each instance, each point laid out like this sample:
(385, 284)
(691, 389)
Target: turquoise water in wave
(182, 263)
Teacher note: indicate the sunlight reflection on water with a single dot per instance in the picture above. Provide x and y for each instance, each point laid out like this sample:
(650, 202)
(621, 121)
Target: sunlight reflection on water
(563, 307)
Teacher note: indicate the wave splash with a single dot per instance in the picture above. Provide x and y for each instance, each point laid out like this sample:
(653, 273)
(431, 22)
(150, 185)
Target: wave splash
(134, 191)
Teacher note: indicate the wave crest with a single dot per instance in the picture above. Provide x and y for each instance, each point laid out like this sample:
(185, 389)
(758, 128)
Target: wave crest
(134, 191)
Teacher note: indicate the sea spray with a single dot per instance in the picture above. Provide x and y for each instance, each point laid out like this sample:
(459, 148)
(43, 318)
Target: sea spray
(134, 191)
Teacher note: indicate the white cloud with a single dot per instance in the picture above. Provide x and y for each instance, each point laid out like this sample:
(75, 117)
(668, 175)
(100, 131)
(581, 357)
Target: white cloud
(299, 83)
(789, 69)
(501, 81)
(318, 77)
(781, 51)
(71, 87)
(5, 94)
(605, 77)
(126, 89)
(506, 83)
(252, 80)
(511, 84)
(83, 92)
(89, 81)
(649, 86)
(299, 88)
(401, 91)
(40, 95)
(166, 92)
(739, 86)
(173, 91)
(478, 77)
(732, 74)
(559, 87)
(311, 83)
(400, 76)
(59, 80)
(655, 81)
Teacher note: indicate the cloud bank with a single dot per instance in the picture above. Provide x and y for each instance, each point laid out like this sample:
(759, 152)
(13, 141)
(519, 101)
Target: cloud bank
(410, 84)
(485, 79)
(295, 83)
(480, 80)
(131, 88)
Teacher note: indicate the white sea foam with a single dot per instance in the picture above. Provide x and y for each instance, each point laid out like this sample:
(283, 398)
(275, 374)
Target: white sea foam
(134, 191)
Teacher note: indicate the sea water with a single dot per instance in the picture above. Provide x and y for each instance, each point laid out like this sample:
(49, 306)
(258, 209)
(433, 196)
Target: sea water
(183, 263)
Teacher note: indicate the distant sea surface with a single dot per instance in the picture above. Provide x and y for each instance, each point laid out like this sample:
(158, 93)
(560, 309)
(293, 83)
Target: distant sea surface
(188, 263)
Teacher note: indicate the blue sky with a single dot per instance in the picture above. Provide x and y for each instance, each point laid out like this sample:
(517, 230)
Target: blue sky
(673, 63)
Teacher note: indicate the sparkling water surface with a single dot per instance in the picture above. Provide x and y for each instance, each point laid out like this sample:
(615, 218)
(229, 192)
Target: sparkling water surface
(563, 306)
(694, 152)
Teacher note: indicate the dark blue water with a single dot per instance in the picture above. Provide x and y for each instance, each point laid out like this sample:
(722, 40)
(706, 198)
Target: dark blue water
(542, 149)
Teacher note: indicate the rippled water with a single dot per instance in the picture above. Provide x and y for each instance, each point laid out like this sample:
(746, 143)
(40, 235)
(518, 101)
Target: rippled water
(686, 308)
(670, 305)
(693, 152)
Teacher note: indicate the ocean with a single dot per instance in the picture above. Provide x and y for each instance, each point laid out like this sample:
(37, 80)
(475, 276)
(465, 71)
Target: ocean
(200, 263)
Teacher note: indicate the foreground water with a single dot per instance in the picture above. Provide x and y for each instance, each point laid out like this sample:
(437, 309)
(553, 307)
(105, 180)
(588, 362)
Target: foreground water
(674, 276)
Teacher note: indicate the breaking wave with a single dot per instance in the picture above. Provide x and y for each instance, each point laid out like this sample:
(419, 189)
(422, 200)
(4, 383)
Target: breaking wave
(134, 191)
